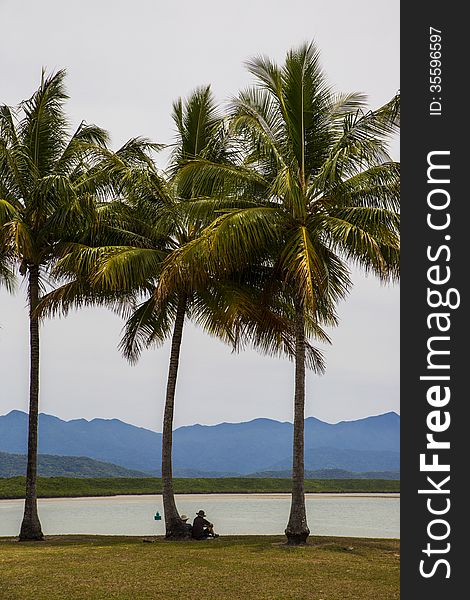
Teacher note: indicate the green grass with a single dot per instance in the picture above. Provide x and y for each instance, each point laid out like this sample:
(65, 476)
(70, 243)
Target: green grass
(57, 487)
(233, 568)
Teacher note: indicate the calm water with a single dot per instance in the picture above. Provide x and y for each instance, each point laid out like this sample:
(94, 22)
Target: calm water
(361, 515)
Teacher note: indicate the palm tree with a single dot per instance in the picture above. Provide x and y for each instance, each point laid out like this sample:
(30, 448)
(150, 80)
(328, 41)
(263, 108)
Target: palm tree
(47, 185)
(122, 261)
(316, 190)
(222, 306)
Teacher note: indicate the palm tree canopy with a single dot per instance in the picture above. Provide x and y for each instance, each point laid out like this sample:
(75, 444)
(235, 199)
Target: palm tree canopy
(120, 265)
(50, 179)
(44, 185)
(311, 187)
(120, 257)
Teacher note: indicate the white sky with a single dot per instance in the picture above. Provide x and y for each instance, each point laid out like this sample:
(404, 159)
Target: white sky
(127, 62)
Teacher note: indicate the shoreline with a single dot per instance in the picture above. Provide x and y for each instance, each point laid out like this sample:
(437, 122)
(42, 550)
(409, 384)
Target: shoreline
(272, 494)
(13, 488)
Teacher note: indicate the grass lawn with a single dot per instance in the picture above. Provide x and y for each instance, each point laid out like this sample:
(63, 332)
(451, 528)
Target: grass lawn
(235, 567)
(66, 487)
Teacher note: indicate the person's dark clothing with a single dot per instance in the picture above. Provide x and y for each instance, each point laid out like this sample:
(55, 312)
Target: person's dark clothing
(188, 527)
(200, 526)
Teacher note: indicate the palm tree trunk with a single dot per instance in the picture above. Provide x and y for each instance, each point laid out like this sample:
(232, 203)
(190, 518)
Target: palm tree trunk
(31, 527)
(173, 523)
(297, 530)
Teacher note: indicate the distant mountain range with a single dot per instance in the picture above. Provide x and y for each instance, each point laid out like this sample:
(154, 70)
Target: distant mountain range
(12, 465)
(228, 449)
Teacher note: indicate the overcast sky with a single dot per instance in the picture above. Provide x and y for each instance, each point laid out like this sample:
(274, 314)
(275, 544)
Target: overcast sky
(127, 62)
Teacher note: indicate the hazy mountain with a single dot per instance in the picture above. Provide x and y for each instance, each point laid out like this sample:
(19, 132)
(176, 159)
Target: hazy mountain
(12, 465)
(102, 439)
(350, 460)
(370, 444)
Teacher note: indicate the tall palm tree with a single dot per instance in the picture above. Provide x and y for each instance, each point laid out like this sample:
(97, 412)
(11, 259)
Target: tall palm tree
(198, 123)
(222, 307)
(48, 180)
(122, 262)
(316, 190)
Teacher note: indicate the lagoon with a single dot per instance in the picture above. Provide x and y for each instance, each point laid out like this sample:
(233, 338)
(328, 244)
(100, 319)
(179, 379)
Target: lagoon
(352, 515)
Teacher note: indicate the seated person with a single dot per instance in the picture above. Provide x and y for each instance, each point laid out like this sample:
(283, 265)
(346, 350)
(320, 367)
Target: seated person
(187, 526)
(202, 529)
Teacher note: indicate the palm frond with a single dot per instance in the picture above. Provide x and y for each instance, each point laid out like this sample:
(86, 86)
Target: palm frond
(361, 233)
(267, 73)
(149, 324)
(376, 187)
(85, 143)
(7, 274)
(44, 127)
(8, 211)
(78, 293)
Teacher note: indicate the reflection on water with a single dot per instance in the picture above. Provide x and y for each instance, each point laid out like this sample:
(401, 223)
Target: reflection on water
(363, 515)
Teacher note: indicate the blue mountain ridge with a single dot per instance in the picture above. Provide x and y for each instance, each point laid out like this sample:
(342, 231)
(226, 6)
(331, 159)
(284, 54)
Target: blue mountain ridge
(368, 444)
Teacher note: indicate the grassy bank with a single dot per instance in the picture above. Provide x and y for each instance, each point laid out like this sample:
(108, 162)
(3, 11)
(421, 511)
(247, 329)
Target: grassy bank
(248, 567)
(64, 487)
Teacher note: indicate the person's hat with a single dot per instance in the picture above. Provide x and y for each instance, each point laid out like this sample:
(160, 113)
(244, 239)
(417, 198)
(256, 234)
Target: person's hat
(184, 517)
(201, 513)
